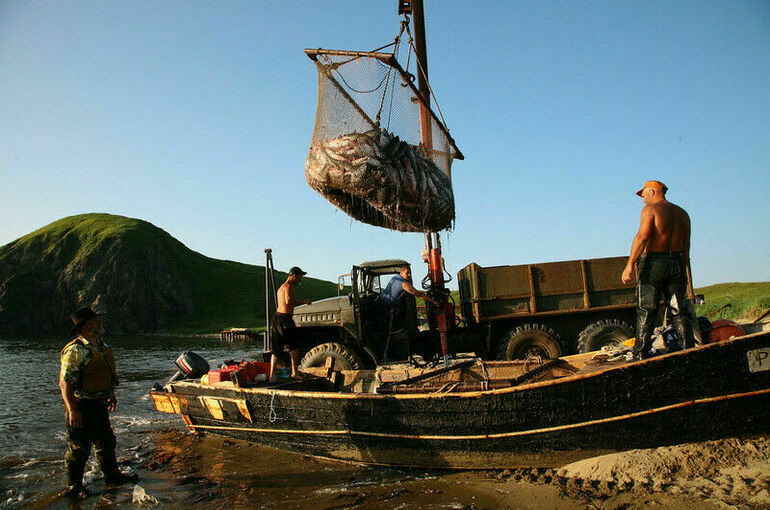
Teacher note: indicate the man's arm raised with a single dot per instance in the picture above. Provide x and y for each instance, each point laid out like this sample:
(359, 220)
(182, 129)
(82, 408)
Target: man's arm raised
(641, 238)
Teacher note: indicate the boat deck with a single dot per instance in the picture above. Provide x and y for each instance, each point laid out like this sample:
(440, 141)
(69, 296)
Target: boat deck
(465, 373)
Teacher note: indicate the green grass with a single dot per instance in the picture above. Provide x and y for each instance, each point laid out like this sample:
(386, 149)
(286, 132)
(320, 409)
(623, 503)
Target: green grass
(220, 293)
(230, 294)
(747, 300)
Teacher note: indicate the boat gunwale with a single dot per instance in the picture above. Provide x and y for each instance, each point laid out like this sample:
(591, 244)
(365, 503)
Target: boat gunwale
(469, 394)
(497, 435)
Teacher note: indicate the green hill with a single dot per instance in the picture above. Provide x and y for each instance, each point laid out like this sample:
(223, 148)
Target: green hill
(146, 280)
(747, 300)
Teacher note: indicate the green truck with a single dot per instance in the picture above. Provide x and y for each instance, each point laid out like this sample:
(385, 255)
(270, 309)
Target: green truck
(548, 309)
(355, 327)
(505, 312)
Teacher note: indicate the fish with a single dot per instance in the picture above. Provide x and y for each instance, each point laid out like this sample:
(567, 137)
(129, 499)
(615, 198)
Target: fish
(378, 179)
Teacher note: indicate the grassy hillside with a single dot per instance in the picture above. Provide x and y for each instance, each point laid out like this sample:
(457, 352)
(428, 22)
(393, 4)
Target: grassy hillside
(747, 300)
(148, 281)
(231, 294)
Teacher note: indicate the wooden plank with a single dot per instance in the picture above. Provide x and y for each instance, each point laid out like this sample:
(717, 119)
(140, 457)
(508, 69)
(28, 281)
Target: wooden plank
(532, 299)
(586, 298)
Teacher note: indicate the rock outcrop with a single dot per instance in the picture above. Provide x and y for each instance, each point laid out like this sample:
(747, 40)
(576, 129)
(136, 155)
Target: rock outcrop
(127, 267)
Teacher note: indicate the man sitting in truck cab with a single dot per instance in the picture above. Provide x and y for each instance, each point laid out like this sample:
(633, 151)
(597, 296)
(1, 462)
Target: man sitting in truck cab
(399, 284)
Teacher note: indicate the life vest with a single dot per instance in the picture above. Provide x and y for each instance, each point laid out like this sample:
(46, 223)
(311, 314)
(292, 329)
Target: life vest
(99, 375)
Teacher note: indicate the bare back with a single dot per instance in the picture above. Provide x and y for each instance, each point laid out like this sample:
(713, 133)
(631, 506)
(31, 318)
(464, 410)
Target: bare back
(670, 229)
(286, 300)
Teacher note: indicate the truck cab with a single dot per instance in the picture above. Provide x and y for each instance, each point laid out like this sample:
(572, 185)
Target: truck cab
(357, 328)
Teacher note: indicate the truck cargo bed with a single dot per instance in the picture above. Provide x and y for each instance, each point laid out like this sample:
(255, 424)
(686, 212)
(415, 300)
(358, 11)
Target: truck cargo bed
(488, 293)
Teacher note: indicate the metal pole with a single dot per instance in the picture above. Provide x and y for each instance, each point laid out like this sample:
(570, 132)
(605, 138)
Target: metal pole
(268, 273)
(432, 240)
(426, 127)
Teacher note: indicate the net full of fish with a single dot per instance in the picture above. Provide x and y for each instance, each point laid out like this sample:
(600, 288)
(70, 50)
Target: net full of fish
(378, 179)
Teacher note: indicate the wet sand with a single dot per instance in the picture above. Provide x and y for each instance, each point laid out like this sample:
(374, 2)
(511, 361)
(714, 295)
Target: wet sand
(233, 473)
(182, 470)
(213, 471)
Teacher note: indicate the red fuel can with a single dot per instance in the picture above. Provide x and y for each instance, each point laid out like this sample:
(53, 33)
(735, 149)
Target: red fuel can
(222, 374)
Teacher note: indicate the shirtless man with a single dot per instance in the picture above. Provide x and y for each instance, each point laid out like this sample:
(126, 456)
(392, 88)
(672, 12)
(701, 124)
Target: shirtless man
(283, 331)
(662, 248)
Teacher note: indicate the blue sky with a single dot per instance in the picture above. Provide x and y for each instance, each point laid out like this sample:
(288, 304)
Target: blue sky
(197, 116)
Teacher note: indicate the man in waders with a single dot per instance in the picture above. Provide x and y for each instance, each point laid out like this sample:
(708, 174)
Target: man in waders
(282, 333)
(87, 382)
(662, 249)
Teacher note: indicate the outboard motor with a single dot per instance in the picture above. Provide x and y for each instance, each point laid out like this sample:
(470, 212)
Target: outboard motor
(190, 366)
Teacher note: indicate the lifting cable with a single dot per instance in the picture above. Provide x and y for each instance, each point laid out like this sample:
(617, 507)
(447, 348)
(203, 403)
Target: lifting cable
(422, 72)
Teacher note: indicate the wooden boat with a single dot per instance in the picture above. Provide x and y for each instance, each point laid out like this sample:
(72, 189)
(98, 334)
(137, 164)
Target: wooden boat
(495, 414)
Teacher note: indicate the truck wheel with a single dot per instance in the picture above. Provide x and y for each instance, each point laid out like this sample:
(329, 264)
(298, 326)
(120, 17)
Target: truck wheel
(344, 358)
(529, 340)
(601, 333)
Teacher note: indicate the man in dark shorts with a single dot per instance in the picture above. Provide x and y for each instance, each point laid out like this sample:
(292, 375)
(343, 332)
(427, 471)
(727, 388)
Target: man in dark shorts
(662, 249)
(283, 330)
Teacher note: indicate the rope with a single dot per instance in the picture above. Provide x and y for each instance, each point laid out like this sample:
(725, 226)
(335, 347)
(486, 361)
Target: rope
(385, 79)
(396, 43)
(271, 416)
(447, 388)
(382, 100)
(363, 91)
(420, 70)
(485, 382)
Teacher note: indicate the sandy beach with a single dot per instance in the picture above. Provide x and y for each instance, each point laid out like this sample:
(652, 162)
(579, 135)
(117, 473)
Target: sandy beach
(730, 473)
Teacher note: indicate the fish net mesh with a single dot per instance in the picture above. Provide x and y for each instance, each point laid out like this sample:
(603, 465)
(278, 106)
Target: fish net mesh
(366, 154)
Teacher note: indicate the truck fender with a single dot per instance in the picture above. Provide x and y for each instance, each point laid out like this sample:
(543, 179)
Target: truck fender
(373, 357)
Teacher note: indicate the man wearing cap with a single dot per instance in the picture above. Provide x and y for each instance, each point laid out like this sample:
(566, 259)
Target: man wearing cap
(87, 382)
(662, 249)
(282, 333)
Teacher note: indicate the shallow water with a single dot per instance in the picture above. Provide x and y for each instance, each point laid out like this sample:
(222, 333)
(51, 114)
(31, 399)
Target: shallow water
(182, 470)
(177, 468)
(32, 435)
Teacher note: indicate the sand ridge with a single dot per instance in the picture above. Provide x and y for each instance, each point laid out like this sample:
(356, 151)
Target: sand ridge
(734, 472)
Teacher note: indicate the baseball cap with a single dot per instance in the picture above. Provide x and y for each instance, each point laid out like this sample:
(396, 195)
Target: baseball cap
(654, 185)
(296, 270)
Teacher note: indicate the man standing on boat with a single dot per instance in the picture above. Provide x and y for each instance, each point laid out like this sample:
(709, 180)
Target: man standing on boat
(662, 249)
(87, 382)
(283, 330)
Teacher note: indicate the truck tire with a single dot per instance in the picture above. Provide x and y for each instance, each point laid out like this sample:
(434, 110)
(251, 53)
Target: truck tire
(529, 340)
(344, 358)
(601, 333)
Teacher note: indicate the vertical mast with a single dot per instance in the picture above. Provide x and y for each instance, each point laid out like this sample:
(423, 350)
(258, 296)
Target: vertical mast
(432, 240)
(418, 15)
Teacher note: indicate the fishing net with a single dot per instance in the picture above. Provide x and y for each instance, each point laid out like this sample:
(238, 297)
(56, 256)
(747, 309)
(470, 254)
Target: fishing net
(367, 155)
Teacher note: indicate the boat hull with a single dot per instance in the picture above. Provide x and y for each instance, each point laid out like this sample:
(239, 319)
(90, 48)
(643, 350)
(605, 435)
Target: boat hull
(701, 394)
